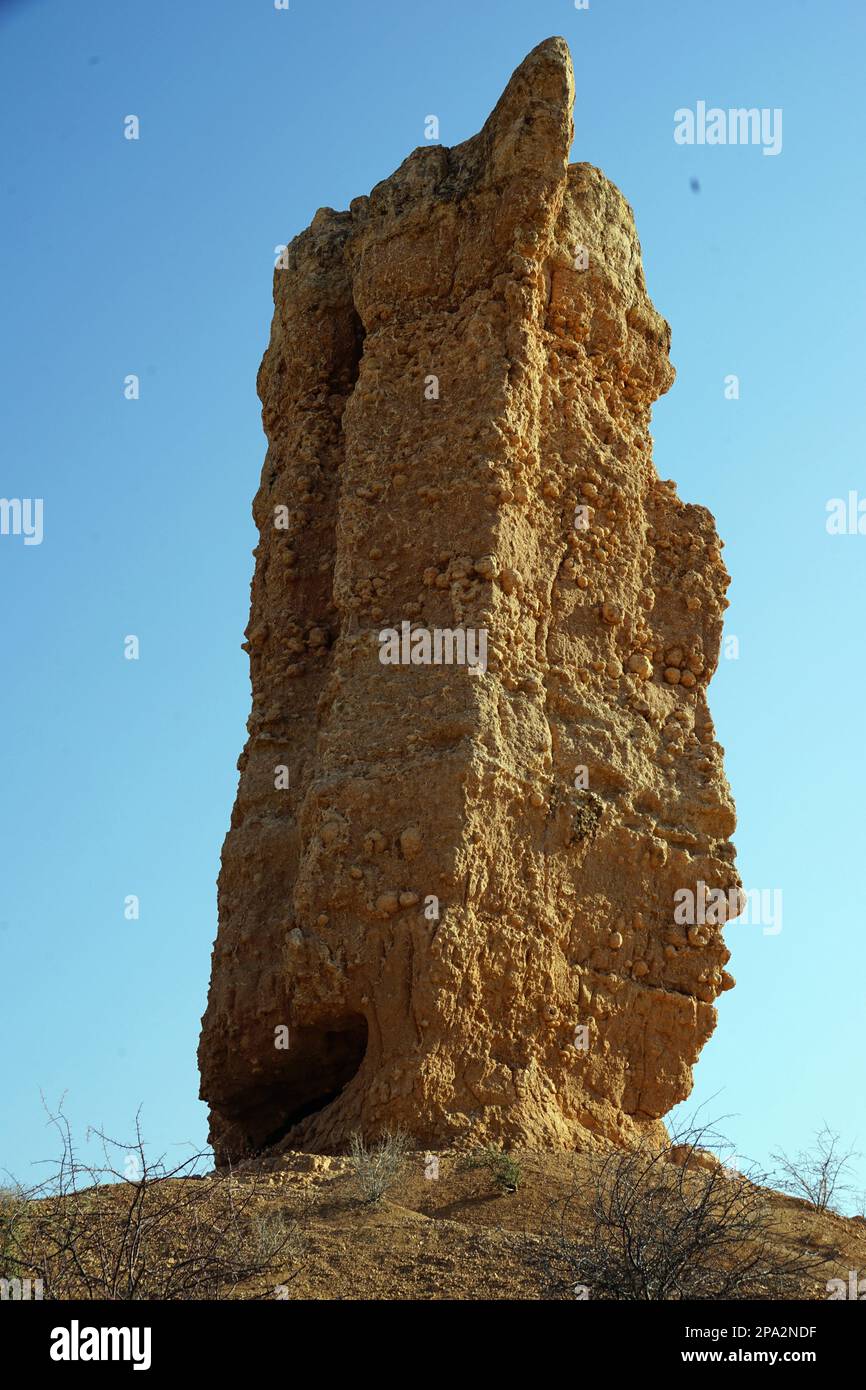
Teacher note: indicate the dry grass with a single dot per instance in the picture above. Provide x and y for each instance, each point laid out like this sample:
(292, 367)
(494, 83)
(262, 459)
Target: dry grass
(292, 1226)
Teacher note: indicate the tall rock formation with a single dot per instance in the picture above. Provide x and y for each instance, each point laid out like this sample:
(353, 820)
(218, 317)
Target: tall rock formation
(447, 897)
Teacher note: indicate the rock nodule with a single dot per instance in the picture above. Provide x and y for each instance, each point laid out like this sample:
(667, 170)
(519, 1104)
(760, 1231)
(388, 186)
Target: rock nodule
(480, 762)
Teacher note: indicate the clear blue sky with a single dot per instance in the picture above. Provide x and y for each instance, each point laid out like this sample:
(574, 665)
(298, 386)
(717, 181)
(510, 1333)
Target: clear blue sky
(155, 257)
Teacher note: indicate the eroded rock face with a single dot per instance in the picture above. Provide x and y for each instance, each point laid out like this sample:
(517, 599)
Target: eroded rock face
(436, 876)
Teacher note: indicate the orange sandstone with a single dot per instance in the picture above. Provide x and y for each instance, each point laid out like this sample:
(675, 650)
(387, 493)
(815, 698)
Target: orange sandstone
(446, 899)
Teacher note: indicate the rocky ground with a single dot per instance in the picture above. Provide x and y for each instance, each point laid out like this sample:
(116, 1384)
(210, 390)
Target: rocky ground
(458, 1237)
(470, 1225)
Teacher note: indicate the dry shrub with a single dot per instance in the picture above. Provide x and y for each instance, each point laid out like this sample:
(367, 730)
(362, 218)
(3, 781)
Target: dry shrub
(145, 1230)
(668, 1222)
(821, 1175)
(377, 1167)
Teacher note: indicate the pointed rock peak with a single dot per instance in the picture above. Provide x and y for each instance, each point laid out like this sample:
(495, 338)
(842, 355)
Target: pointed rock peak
(532, 120)
(548, 63)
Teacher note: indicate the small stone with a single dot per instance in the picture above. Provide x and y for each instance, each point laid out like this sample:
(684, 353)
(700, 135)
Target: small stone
(640, 665)
(411, 841)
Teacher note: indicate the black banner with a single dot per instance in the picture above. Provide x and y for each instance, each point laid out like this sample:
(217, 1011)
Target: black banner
(151, 1338)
